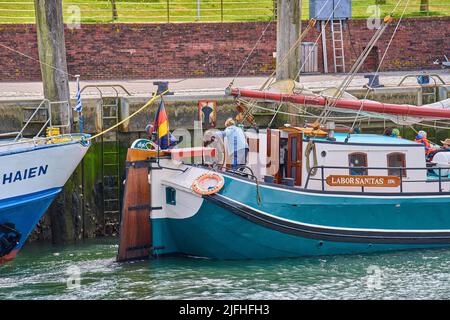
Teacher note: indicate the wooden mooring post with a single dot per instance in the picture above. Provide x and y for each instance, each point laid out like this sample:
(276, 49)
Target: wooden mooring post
(52, 54)
(55, 80)
(288, 31)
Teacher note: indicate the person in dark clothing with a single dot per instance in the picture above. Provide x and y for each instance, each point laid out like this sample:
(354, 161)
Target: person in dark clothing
(283, 158)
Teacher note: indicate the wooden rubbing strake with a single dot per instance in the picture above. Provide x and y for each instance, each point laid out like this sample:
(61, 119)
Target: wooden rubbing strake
(135, 229)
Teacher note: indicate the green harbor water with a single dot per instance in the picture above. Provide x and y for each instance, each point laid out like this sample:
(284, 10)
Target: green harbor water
(43, 271)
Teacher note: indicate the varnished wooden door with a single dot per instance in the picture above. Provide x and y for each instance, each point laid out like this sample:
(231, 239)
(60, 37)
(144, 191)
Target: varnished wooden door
(273, 154)
(294, 161)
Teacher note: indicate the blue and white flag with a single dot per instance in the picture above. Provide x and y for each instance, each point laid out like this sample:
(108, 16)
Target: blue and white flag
(79, 107)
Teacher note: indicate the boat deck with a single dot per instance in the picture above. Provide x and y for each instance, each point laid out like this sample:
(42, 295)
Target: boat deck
(368, 139)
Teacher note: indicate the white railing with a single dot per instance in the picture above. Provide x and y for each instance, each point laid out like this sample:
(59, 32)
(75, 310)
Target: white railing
(18, 136)
(39, 141)
(47, 105)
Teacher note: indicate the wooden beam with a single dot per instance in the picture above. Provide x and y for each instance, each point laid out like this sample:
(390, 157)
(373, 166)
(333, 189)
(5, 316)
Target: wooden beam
(324, 46)
(52, 54)
(288, 31)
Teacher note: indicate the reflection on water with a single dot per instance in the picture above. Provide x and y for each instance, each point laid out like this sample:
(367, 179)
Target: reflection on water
(41, 272)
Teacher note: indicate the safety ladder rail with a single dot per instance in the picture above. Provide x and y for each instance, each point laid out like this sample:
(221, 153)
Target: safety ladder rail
(110, 86)
(433, 76)
(423, 87)
(45, 103)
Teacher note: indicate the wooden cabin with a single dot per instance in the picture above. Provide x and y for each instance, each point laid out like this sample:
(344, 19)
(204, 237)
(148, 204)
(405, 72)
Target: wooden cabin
(314, 159)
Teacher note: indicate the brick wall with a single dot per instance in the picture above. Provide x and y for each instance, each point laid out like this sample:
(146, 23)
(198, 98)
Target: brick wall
(138, 51)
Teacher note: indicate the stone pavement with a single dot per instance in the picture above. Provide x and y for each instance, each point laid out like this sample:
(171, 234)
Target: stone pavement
(32, 90)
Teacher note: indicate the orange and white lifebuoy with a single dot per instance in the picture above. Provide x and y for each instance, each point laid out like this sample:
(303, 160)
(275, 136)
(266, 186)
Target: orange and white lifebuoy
(208, 183)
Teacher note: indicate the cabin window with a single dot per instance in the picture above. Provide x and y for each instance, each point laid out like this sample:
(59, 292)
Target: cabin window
(171, 195)
(395, 160)
(357, 162)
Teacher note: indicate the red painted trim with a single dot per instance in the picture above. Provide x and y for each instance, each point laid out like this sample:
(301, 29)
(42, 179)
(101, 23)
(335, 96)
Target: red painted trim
(192, 152)
(9, 256)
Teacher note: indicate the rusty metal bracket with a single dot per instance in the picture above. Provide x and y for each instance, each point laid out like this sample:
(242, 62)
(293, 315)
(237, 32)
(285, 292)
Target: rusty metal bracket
(143, 206)
(139, 248)
(137, 164)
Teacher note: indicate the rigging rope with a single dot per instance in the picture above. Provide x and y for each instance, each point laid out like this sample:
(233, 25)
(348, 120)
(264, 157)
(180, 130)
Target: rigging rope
(270, 79)
(305, 114)
(37, 60)
(382, 60)
(349, 77)
(297, 42)
(311, 24)
(252, 103)
(155, 96)
(251, 52)
(317, 40)
(356, 66)
(311, 147)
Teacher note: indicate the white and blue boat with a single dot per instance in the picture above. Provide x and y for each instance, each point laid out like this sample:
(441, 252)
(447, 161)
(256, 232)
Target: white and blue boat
(342, 193)
(32, 173)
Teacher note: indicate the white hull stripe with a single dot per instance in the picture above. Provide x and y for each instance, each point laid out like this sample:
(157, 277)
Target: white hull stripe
(240, 204)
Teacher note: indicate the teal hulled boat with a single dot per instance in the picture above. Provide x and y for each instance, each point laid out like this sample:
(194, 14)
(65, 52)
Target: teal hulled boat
(336, 192)
(351, 194)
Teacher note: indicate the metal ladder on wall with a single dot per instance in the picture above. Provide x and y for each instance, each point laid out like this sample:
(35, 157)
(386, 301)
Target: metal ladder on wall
(110, 162)
(338, 45)
(429, 94)
(110, 149)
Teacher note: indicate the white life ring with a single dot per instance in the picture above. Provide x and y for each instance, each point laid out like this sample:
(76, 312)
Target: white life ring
(208, 183)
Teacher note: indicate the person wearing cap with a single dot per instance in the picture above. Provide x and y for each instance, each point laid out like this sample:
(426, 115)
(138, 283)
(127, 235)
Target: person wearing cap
(237, 147)
(445, 145)
(149, 129)
(445, 148)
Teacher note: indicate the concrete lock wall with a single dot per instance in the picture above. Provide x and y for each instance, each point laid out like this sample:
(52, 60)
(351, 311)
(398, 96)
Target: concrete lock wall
(179, 50)
(80, 206)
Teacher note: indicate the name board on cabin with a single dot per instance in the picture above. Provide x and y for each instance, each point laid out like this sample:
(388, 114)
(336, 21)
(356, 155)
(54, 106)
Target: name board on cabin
(363, 181)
